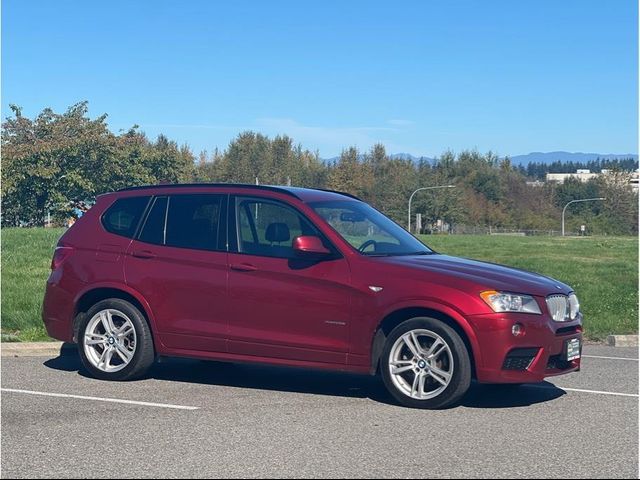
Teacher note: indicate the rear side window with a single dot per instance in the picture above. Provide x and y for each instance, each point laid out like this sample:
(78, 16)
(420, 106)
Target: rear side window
(123, 216)
(193, 221)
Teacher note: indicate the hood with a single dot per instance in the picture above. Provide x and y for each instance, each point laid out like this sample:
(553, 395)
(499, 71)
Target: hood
(485, 275)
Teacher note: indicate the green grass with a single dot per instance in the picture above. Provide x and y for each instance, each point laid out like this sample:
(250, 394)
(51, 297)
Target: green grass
(603, 270)
(26, 256)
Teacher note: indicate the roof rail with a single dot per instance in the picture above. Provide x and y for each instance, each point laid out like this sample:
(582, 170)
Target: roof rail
(223, 185)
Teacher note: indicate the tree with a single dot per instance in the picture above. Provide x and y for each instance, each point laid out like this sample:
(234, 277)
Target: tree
(55, 161)
(348, 174)
(619, 212)
(48, 162)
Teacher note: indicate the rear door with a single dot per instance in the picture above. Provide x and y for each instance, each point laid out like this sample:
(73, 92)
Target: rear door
(107, 250)
(179, 264)
(282, 306)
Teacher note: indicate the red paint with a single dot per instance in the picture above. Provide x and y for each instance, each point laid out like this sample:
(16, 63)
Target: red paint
(310, 245)
(315, 309)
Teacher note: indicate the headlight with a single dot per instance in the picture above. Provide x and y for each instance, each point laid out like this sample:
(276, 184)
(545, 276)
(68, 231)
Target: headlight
(574, 306)
(510, 302)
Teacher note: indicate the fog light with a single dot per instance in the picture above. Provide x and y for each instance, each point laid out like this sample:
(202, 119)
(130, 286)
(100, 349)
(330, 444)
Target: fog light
(517, 330)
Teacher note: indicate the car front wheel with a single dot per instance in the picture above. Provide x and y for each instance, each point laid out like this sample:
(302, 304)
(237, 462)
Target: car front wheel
(425, 364)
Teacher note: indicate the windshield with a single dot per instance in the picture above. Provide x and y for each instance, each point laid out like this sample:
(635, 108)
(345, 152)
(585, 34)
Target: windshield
(368, 230)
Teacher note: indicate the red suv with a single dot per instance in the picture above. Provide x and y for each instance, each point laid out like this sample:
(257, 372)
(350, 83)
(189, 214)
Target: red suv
(299, 277)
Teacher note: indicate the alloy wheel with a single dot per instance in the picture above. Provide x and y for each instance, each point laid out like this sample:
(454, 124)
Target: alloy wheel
(110, 340)
(421, 364)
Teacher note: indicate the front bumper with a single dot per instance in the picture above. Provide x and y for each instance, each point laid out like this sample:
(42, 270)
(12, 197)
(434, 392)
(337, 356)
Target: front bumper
(530, 358)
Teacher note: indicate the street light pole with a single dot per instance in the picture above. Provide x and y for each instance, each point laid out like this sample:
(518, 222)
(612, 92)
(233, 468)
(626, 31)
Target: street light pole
(411, 198)
(576, 201)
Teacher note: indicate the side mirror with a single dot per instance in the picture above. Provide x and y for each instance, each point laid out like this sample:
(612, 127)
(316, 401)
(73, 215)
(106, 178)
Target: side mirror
(309, 246)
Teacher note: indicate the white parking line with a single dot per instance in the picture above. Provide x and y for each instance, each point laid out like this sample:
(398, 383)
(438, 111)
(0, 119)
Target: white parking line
(598, 392)
(617, 394)
(610, 358)
(100, 399)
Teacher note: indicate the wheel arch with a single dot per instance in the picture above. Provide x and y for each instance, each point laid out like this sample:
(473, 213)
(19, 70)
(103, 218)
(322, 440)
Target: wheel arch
(439, 312)
(96, 293)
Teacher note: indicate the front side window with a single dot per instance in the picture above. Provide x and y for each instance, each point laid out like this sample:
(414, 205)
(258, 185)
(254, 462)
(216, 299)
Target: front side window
(123, 216)
(368, 230)
(268, 229)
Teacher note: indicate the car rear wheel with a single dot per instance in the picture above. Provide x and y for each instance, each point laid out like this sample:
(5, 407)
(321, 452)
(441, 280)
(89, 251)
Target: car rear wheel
(425, 364)
(115, 341)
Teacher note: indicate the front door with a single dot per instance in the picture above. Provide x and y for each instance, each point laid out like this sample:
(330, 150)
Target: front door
(282, 306)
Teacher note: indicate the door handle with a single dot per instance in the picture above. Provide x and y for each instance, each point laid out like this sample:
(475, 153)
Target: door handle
(146, 254)
(244, 267)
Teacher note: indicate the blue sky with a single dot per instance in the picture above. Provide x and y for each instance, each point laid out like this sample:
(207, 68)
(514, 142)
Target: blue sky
(421, 77)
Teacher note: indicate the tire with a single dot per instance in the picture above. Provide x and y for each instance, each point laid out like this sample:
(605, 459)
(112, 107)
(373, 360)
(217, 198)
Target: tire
(115, 341)
(438, 376)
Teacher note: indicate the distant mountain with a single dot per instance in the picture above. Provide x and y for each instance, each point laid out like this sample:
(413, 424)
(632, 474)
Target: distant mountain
(577, 157)
(401, 156)
(408, 156)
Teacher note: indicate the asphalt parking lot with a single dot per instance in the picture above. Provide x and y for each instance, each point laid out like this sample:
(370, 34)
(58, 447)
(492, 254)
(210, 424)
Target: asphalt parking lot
(206, 419)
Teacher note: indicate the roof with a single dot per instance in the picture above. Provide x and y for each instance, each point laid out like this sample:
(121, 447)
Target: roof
(304, 194)
(317, 194)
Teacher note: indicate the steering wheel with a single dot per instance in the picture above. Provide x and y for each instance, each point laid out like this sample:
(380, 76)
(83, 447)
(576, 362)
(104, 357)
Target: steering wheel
(366, 244)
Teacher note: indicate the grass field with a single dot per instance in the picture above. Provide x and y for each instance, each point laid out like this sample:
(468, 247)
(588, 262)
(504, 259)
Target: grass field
(603, 270)
(26, 256)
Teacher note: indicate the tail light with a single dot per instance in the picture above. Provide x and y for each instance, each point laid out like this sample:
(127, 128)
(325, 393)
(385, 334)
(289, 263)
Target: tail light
(60, 255)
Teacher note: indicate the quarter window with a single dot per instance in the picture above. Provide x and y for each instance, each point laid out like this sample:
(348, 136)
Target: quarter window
(123, 216)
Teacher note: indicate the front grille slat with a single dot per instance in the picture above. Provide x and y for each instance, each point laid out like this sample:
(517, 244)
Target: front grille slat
(559, 307)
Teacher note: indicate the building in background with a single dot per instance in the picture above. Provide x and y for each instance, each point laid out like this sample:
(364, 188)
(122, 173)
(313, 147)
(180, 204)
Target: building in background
(582, 175)
(635, 176)
(586, 175)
